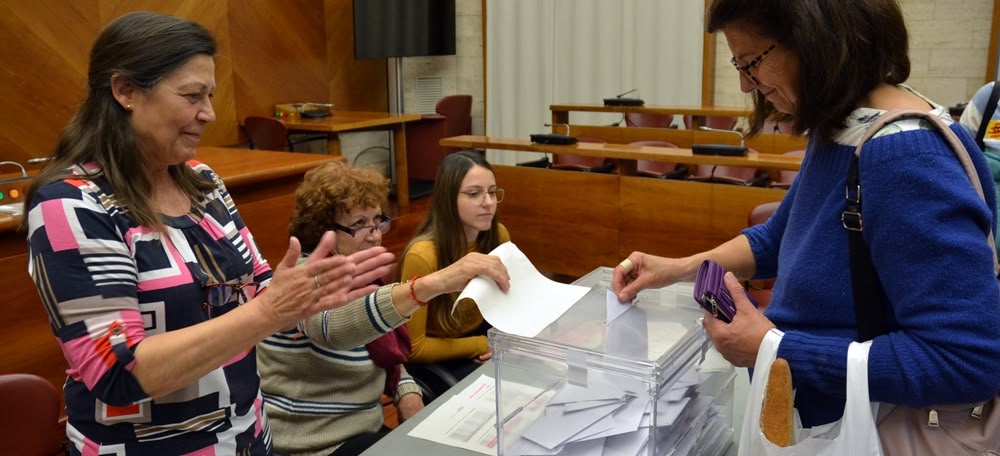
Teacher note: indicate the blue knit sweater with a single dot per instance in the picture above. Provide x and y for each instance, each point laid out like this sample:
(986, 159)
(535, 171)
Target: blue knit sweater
(927, 231)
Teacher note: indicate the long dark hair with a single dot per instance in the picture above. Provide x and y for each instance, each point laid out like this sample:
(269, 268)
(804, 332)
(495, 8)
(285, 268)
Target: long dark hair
(845, 49)
(443, 226)
(142, 47)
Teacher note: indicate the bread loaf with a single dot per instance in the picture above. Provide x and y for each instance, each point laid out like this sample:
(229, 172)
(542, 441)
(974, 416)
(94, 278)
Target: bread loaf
(776, 414)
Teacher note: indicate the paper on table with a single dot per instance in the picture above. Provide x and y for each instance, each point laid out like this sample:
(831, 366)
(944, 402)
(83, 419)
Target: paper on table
(530, 293)
(468, 420)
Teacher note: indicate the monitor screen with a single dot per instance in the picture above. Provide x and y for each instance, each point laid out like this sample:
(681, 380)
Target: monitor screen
(403, 28)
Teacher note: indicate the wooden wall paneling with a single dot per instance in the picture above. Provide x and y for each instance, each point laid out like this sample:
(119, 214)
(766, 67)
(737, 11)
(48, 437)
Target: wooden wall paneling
(354, 85)
(731, 204)
(269, 51)
(625, 135)
(278, 52)
(563, 221)
(664, 217)
(27, 344)
(677, 218)
(45, 46)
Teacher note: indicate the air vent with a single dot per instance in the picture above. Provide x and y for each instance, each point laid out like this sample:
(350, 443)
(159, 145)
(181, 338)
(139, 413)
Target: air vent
(428, 94)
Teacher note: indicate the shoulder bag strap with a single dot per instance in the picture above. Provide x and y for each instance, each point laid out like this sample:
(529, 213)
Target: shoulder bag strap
(868, 306)
(991, 105)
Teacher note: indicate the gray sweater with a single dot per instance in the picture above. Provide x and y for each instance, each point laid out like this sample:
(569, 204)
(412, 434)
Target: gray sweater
(319, 384)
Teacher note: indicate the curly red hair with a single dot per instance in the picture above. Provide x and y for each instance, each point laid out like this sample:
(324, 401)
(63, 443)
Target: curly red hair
(329, 190)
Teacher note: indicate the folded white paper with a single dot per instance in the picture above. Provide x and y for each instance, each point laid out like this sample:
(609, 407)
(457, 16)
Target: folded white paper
(531, 303)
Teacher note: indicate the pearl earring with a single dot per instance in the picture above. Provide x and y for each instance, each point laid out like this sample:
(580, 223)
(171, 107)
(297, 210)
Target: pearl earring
(128, 107)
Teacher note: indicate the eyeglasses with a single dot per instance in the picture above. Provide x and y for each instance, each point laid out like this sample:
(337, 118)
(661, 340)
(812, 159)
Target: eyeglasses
(478, 196)
(745, 69)
(382, 224)
(219, 295)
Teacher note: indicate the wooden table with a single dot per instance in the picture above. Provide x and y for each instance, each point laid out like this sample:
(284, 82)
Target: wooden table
(570, 222)
(560, 112)
(262, 183)
(768, 143)
(355, 121)
(626, 155)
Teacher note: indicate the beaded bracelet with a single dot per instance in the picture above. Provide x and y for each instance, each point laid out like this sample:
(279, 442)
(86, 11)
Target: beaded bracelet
(413, 294)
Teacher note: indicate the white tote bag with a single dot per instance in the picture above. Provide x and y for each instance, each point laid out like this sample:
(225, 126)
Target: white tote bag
(855, 434)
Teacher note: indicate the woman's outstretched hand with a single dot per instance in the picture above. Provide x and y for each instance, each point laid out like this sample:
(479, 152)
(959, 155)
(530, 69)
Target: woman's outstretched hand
(638, 272)
(457, 275)
(324, 281)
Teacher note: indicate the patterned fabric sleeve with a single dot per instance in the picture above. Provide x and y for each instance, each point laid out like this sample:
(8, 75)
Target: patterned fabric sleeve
(87, 280)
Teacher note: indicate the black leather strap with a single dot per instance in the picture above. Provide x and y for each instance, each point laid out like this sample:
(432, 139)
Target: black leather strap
(868, 306)
(991, 106)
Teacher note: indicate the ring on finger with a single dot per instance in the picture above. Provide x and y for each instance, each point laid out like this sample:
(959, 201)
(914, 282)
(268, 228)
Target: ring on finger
(316, 281)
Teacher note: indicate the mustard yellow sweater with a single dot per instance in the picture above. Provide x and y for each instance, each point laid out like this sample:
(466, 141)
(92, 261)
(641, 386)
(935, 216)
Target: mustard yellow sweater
(430, 343)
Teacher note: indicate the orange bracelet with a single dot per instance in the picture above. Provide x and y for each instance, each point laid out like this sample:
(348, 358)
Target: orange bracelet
(413, 294)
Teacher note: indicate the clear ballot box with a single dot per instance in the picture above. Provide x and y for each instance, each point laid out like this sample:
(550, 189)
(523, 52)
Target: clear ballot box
(647, 382)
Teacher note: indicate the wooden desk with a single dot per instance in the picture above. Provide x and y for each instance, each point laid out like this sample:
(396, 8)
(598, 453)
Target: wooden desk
(626, 155)
(570, 222)
(262, 183)
(768, 143)
(355, 121)
(560, 112)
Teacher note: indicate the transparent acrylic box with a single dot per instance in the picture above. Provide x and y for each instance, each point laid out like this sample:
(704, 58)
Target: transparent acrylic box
(639, 384)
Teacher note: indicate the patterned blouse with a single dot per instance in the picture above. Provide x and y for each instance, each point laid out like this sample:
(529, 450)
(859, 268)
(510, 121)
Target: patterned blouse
(107, 283)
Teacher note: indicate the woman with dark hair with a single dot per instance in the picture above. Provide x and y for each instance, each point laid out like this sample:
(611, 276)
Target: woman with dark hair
(153, 285)
(461, 222)
(835, 67)
(322, 381)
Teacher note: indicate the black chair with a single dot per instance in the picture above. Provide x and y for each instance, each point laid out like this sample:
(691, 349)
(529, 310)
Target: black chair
(432, 379)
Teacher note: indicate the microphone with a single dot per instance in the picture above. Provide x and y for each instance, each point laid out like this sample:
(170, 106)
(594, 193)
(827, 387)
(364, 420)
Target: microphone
(619, 101)
(24, 172)
(553, 138)
(720, 149)
(740, 135)
(36, 160)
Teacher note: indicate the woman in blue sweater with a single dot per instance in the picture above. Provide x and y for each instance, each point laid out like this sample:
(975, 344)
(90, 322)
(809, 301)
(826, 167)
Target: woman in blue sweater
(834, 68)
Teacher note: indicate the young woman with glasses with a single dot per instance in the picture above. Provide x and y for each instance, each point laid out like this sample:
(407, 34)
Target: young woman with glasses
(835, 67)
(461, 222)
(322, 381)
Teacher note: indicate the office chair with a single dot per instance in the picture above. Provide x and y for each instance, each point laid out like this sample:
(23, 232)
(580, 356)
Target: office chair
(582, 163)
(786, 177)
(268, 133)
(734, 175)
(659, 169)
(30, 416)
(432, 379)
(452, 117)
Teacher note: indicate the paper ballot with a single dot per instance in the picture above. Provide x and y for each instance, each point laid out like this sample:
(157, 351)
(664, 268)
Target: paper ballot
(531, 303)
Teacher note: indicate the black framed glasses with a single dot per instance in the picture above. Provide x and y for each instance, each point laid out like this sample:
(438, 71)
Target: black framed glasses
(478, 196)
(745, 68)
(382, 224)
(218, 295)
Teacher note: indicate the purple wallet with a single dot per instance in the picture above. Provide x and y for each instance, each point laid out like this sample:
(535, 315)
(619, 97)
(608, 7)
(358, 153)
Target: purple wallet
(711, 293)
